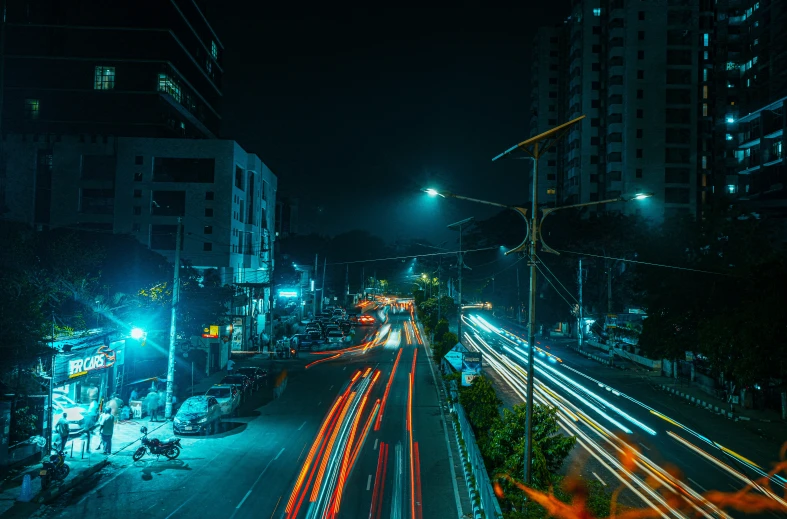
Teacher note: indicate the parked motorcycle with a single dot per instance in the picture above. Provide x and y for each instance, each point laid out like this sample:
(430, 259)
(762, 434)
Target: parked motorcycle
(169, 448)
(54, 469)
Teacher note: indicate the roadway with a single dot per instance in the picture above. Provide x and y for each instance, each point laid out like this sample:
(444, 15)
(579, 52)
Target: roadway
(254, 466)
(629, 439)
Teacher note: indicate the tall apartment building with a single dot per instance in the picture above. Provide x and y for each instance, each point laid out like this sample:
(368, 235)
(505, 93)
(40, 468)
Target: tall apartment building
(756, 118)
(149, 68)
(633, 68)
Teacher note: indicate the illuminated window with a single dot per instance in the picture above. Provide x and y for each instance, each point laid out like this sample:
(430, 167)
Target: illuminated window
(705, 109)
(705, 55)
(104, 78)
(597, 12)
(32, 107)
(551, 191)
(729, 137)
(169, 86)
(705, 39)
(732, 189)
(704, 162)
(704, 74)
(214, 50)
(705, 91)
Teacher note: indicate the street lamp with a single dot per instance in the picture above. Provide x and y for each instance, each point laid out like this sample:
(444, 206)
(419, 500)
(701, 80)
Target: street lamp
(137, 333)
(534, 148)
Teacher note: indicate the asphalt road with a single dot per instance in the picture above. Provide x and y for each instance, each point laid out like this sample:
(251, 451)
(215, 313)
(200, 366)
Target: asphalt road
(252, 467)
(609, 411)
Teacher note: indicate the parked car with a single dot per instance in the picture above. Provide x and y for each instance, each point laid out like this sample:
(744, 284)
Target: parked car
(241, 382)
(75, 412)
(256, 375)
(197, 415)
(228, 398)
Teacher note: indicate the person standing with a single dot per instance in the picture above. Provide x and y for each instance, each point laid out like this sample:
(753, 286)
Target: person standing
(91, 416)
(63, 430)
(230, 367)
(107, 428)
(152, 404)
(133, 396)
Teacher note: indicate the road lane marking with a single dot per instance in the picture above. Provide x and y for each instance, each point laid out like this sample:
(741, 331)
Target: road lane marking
(375, 443)
(599, 478)
(178, 508)
(330, 388)
(301, 454)
(301, 427)
(344, 368)
(645, 446)
(368, 482)
(250, 488)
(275, 507)
(318, 403)
(697, 485)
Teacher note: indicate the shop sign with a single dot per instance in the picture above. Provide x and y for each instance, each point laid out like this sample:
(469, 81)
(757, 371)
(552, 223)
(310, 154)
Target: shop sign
(103, 358)
(211, 332)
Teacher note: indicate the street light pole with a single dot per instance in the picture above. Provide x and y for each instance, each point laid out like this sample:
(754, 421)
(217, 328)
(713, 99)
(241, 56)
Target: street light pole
(531, 325)
(460, 225)
(173, 325)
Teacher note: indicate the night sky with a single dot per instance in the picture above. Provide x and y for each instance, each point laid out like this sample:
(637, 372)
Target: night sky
(356, 111)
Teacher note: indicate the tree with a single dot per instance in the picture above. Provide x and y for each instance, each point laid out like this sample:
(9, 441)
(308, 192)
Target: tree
(481, 405)
(444, 344)
(505, 448)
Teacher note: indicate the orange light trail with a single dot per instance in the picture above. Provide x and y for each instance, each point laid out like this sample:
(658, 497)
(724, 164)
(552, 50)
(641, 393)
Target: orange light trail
(412, 464)
(355, 376)
(365, 430)
(387, 390)
(336, 499)
(332, 423)
(327, 454)
(376, 376)
(418, 501)
(307, 462)
(366, 373)
(379, 482)
(318, 361)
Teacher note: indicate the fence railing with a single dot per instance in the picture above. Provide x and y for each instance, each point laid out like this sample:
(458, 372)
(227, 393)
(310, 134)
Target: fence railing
(482, 487)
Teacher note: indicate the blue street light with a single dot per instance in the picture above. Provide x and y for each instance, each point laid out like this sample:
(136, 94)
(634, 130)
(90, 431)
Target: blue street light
(137, 333)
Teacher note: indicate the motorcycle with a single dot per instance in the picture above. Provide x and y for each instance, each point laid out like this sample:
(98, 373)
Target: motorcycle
(55, 468)
(169, 448)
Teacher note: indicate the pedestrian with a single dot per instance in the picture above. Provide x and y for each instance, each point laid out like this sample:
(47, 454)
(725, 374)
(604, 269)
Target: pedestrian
(63, 430)
(152, 403)
(230, 366)
(115, 404)
(134, 395)
(107, 427)
(91, 417)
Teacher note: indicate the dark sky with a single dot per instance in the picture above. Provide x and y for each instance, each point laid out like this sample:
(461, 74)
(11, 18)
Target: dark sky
(356, 110)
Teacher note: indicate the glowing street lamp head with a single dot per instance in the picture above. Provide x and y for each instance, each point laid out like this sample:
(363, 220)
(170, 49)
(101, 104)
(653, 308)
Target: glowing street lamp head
(431, 192)
(641, 196)
(137, 333)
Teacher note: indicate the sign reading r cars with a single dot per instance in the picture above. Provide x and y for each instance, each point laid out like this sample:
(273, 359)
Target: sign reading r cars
(102, 359)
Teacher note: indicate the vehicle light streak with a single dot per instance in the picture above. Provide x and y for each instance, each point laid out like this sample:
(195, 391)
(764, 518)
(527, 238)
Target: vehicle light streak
(410, 439)
(379, 482)
(418, 498)
(327, 454)
(307, 463)
(387, 390)
(336, 499)
(355, 376)
(318, 361)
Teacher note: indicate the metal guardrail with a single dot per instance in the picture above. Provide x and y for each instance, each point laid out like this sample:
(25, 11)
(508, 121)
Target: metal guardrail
(489, 507)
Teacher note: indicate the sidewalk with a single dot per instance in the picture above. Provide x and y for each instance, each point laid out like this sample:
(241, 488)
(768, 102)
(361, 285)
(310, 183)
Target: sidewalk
(83, 463)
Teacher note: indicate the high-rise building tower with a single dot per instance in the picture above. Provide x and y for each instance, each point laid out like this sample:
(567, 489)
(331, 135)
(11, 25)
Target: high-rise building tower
(107, 68)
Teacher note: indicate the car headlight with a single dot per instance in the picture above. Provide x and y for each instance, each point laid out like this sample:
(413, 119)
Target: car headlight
(203, 420)
(178, 420)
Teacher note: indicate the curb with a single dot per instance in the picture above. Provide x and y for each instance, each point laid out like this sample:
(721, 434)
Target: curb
(710, 407)
(477, 513)
(48, 495)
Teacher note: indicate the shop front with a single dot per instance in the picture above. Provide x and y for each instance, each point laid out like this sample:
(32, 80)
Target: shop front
(84, 380)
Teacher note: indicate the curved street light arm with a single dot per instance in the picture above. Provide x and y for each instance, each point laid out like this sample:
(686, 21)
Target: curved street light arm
(476, 200)
(521, 211)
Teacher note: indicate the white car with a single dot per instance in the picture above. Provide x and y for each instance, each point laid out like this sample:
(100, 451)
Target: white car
(227, 396)
(75, 413)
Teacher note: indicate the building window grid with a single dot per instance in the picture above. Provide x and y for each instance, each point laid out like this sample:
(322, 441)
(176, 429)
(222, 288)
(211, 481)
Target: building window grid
(104, 78)
(32, 109)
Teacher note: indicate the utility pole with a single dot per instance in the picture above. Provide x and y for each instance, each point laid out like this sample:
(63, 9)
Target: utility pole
(322, 294)
(531, 324)
(609, 287)
(518, 299)
(363, 281)
(347, 285)
(173, 324)
(460, 226)
(314, 289)
(581, 326)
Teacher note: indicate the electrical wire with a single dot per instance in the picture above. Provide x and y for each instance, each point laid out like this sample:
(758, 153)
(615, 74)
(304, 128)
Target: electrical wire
(644, 263)
(553, 286)
(412, 256)
(557, 279)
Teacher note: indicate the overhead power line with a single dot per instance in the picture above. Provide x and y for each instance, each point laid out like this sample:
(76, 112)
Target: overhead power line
(412, 256)
(645, 263)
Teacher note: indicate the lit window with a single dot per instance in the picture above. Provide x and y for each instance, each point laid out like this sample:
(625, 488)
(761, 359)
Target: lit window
(730, 85)
(705, 91)
(731, 65)
(32, 107)
(551, 191)
(748, 82)
(104, 78)
(756, 41)
(754, 60)
(169, 86)
(704, 162)
(704, 74)
(730, 119)
(705, 39)
(705, 109)
(732, 189)
(729, 137)
(597, 11)
(214, 50)
(705, 55)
